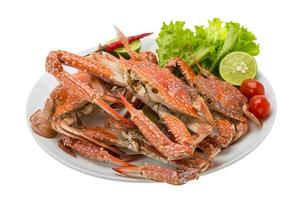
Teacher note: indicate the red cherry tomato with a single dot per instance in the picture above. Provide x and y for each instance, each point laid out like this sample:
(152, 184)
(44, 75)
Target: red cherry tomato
(252, 87)
(259, 106)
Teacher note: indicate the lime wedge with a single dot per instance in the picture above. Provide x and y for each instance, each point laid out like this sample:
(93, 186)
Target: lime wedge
(237, 66)
(135, 46)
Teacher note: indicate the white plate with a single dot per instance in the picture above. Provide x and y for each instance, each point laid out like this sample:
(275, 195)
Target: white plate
(235, 152)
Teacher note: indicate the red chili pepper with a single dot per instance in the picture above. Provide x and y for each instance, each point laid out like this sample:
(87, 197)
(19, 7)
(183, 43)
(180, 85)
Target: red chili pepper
(116, 44)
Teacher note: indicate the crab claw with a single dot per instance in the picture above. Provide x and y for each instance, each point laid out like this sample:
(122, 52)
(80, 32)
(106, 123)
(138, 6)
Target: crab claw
(54, 65)
(171, 150)
(159, 174)
(226, 133)
(202, 108)
(213, 144)
(91, 151)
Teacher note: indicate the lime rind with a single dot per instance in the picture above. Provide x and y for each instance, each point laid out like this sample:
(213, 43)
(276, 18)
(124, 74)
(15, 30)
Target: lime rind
(135, 45)
(237, 66)
(121, 51)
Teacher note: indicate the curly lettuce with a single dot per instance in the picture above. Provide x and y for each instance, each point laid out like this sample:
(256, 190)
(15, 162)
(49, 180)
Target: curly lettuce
(206, 44)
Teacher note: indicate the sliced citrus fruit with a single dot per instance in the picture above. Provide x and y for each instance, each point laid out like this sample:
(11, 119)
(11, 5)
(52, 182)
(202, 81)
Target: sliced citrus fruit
(135, 46)
(237, 66)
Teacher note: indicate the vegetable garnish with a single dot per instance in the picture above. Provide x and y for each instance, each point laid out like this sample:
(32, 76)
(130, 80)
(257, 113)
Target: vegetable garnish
(117, 44)
(259, 106)
(237, 66)
(208, 44)
(121, 51)
(252, 87)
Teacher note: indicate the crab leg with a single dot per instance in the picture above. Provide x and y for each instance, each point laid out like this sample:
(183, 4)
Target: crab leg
(63, 127)
(158, 173)
(156, 137)
(197, 161)
(92, 151)
(184, 69)
(180, 132)
(97, 85)
(226, 133)
(105, 135)
(54, 66)
(177, 129)
(212, 145)
(85, 64)
(112, 137)
(201, 129)
(209, 148)
(200, 105)
(241, 129)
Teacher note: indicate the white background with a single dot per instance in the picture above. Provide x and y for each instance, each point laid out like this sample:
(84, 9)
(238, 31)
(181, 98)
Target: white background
(30, 29)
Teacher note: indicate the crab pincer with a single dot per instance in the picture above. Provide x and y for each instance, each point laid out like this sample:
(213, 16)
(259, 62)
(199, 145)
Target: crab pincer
(213, 144)
(92, 151)
(171, 150)
(159, 174)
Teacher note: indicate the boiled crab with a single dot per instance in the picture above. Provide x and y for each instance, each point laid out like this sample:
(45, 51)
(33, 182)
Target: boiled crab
(157, 88)
(100, 85)
(226, 101)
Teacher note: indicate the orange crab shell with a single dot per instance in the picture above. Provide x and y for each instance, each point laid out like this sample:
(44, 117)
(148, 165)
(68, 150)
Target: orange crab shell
(66, 100)
(174, 93)
(222, 96)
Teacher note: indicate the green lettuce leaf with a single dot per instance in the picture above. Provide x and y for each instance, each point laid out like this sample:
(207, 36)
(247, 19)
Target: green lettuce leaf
(176, 41)
(207, 44)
